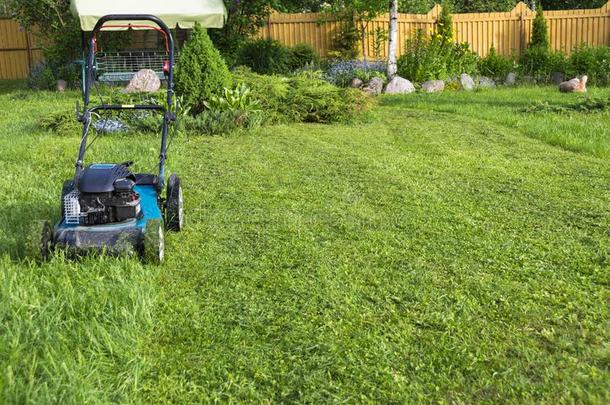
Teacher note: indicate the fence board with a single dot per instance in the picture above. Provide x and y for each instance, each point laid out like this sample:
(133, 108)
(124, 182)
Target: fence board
(508, 32)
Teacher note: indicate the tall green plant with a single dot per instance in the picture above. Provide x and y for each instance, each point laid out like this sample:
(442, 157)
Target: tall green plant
(201, 72)
(444, 24)
(540, 31)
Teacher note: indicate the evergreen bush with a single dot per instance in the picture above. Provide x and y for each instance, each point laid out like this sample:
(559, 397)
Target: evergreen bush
(201, 72)
(265, 56)
(496, 66)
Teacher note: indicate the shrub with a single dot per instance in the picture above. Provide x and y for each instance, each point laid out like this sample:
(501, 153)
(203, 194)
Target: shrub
(265, 56)
(312, 99)
(341, 73)
(591, 61)
(270, 91)
(218, 122)
(539, 63)
(201, 72)
(540, 31)
(42, 78)
(303, 55)
(345, 43)
(305, 97)
(62, 123)
(496, 66)
(431, 57)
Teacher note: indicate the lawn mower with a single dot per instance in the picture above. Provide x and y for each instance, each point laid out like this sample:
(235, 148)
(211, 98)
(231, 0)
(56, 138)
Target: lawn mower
(106, 207)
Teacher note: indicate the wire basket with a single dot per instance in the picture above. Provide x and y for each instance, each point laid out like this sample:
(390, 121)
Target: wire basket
(120, 67)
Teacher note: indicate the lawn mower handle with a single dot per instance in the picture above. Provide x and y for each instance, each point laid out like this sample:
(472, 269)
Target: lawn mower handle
(168, 115)
(129, 17)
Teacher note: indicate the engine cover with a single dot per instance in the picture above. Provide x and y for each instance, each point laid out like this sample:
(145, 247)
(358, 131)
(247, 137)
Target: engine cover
(104, 178)
(106, 195)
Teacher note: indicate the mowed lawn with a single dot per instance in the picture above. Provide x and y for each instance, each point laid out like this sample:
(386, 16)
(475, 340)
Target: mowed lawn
(451, 248)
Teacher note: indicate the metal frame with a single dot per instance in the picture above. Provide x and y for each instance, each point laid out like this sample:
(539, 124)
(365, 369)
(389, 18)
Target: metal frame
(89, 69)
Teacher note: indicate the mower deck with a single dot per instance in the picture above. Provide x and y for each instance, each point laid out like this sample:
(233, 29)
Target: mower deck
(123, 238)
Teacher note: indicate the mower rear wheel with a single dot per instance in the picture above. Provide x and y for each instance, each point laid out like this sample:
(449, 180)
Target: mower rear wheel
(174, 205)
(39, 242)
(154, 242)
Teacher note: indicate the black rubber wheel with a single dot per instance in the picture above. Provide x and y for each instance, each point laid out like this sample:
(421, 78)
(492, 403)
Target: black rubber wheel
(174, 205)
(39, 242)
(67, 188)
(154, 242)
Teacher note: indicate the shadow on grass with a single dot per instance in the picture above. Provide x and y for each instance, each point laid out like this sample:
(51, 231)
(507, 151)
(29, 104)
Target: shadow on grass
(17, 221)
(9, 86)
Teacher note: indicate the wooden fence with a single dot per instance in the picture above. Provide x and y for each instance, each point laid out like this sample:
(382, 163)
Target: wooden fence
(509, 32)
(18, 50)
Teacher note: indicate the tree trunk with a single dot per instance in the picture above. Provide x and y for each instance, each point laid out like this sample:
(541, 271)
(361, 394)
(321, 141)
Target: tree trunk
(363, 34)
(393, 39)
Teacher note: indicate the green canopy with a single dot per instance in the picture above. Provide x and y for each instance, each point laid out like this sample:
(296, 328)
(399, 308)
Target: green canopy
(177, 13)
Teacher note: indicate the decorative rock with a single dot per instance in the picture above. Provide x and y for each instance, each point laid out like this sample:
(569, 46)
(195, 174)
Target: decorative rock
(374, 87)
(486, 83)
(398, 85)
(466, 82)
(558, 78)
(145, 81)
(433, 86)
(511, 79)
(356, 83)
(62, 85)
(574, 86)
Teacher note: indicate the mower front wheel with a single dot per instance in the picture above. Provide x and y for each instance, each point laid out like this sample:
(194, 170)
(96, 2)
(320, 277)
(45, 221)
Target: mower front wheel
(154, 242)
(174, 205)
(39, 242)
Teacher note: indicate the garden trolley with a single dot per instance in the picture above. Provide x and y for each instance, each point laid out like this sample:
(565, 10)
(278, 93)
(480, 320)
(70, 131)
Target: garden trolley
(106, 207)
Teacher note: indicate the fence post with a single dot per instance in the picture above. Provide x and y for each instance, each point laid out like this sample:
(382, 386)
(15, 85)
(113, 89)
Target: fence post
(28, 44)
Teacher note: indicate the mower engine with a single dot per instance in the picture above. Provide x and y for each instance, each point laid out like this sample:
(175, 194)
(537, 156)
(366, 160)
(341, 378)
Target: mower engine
(104, 195)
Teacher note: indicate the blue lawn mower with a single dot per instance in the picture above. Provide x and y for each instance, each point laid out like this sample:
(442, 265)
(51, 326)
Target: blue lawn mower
(106, 207)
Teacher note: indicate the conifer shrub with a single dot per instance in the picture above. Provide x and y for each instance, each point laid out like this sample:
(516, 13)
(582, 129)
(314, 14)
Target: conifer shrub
(201, 72)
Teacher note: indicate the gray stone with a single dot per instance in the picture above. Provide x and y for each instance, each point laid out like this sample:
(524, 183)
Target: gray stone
(486, 83)
(356, 83)
(398, 85)
(558, 78)
(144, 81)
(62, 85)
(466, 82)
(374, 87)
(511, 79)
(433, 86)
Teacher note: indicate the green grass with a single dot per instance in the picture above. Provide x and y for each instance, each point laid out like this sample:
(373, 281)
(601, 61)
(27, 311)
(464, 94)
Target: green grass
(452, 249)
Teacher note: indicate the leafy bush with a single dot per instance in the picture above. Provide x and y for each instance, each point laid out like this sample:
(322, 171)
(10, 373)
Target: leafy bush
(591, 61)
(235, 109)
(201, 72)
(496, 66)
(345, 43)
(265, 56)
(305, 97)
(270, 91)
(62, 123)
(432, 57)
(313, 99)
(42, 77)
(341, 73)
(303, 55)
(239, 98)
(539, 63)
(214, 122)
